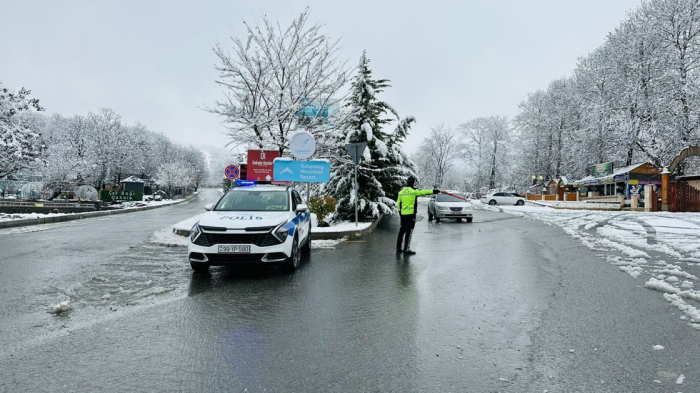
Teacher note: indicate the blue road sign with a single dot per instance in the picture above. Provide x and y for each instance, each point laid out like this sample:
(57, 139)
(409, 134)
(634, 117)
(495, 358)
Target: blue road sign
(302, 171)
(232, 172)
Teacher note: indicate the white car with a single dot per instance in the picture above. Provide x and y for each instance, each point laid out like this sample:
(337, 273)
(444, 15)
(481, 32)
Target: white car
(447, 206)
(503, 198)
(252, 224)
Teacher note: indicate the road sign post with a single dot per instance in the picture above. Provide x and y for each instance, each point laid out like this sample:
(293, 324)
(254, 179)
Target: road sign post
(355, 150)
(232, 172)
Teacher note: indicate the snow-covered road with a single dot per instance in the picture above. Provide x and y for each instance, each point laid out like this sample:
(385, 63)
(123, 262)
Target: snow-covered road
(663, 249)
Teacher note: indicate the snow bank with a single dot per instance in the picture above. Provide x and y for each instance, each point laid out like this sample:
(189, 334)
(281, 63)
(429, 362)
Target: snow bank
(342, 227)
(324, 244)
(60, 308)
(166, 237)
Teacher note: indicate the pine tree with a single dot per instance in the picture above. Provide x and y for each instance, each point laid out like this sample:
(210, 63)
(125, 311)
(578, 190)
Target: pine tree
(384, 165)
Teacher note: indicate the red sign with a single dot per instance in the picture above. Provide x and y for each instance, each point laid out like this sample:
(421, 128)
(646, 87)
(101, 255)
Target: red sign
(261, 164)
(232, 172)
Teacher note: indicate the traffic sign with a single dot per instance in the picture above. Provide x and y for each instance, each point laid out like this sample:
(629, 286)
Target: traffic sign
(261, 164)
(232, 172)
(355, 150)
(302, 145)
(313, 171)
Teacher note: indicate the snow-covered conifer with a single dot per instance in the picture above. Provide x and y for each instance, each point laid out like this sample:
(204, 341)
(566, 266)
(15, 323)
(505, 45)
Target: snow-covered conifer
(20, 143)
(384, 165)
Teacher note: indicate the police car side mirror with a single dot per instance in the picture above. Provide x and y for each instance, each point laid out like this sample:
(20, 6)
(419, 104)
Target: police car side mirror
(208, 206)
(301, 208)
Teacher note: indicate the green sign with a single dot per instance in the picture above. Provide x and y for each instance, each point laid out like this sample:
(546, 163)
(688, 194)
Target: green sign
(603, 169)
(121, 196)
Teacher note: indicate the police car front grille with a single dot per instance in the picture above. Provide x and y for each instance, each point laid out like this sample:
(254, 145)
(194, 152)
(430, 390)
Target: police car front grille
(259, 239)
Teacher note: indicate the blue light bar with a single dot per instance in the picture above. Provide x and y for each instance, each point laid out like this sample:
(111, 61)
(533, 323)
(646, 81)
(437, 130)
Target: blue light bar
(244, 183)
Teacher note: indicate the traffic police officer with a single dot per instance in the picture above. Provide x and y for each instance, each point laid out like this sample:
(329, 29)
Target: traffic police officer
(408, 204)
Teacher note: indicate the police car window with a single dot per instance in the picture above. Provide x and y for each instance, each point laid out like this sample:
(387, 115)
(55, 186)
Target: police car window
(254, 201)
(297, 199)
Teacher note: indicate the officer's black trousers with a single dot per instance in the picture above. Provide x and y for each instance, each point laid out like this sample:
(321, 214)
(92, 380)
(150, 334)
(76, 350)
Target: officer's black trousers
(406, 232)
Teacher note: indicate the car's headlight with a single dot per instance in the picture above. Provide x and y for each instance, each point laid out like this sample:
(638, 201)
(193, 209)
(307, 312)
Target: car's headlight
(443, 208)
(281, 232)
(195, 232)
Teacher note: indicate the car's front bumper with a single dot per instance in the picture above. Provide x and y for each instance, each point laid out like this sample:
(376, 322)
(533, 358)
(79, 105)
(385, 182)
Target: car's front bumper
(211, 255)
(452, 214)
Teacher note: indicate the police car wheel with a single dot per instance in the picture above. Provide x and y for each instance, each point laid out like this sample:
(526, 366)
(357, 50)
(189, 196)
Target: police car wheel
(307, 246)
(293, 262)
(199, 267)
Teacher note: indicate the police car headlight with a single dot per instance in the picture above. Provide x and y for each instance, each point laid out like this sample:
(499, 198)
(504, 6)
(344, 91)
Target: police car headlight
(195, 232)
(281, 232)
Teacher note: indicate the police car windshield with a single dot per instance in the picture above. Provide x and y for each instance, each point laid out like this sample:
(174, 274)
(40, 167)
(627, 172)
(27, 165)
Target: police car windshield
(448, 198)
(249, 201)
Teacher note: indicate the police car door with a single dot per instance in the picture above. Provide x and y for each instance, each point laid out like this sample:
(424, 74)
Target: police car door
(303, 225)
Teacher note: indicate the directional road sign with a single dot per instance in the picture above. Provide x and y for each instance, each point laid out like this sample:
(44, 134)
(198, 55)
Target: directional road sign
(232, 172)
(314, 171)
(260, 164)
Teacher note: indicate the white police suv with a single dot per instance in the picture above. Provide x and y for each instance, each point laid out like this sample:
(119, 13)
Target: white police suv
(253, 223)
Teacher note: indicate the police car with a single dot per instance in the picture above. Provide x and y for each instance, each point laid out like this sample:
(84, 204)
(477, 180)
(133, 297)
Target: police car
(253, 223)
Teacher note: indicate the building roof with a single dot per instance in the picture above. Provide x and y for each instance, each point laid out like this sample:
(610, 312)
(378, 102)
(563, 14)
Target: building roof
(590, 180)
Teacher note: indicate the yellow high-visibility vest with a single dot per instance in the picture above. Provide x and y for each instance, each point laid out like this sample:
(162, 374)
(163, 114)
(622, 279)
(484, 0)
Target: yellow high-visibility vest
(407, 200)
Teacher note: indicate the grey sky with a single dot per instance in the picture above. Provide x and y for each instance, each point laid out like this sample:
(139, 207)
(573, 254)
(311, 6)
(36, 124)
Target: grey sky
(151, 61)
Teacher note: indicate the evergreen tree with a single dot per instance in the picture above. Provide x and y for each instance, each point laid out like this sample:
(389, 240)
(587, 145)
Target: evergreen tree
(384, 166)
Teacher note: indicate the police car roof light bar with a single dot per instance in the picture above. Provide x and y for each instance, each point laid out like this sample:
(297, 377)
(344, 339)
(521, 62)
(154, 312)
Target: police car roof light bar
(244, 183)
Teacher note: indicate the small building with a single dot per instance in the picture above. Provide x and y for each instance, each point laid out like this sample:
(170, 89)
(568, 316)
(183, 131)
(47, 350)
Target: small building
(560, 187)
(132, 183)
(626, 181)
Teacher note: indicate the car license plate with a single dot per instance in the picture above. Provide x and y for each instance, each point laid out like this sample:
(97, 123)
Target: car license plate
(234, 249)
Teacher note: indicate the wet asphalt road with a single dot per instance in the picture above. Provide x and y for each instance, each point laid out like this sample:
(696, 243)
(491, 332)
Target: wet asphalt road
(492, 306)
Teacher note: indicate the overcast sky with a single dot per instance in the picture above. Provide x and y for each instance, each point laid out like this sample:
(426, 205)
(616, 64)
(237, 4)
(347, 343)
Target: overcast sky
(151, 61)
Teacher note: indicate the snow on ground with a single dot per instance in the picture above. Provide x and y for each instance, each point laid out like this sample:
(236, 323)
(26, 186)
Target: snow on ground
(125, 205)
(187, 224)
(166, 237)
(325, 244)
(22, 216)
(342, 226)
(661, 248)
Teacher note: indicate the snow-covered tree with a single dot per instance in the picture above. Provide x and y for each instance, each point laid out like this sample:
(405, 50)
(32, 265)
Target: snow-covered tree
(271, 76)
(384, 166)
(438, 154)
(174, 174)
(20, 143)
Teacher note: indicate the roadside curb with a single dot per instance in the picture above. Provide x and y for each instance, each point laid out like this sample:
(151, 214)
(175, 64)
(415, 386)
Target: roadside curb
(81, 216)
(347, 235)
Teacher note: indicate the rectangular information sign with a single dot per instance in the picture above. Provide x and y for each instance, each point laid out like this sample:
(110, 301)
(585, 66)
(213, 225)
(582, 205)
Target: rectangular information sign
(314, 171)
(261, 164)
(120, 196)
(603, 169)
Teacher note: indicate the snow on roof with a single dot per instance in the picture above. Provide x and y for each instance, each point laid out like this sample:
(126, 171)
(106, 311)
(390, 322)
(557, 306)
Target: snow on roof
(132, 179)
(616, 172)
